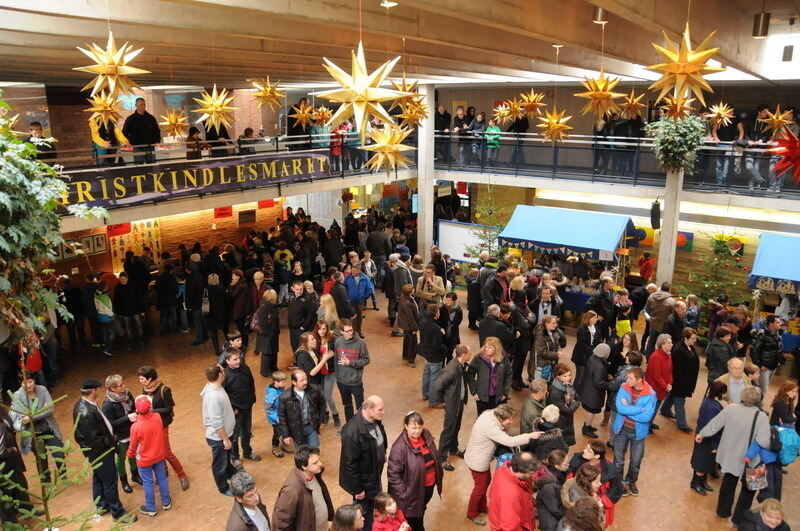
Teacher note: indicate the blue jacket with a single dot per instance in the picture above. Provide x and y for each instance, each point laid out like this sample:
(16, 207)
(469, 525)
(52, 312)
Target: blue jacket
(360, 293)
(641, 413)
(791, 445)
(755, 449)
(271, 403)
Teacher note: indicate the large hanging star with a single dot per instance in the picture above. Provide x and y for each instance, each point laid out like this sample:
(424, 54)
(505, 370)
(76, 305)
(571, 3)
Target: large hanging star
(601, 95)
(268, 93)
(175, 122)
(677, 107)
(554, 125)
(501, 114)
(105, 108)
(388, 147)
(404, 86)
(631, 107)
(515, 109)
(414, 111)
(322, 114)
(303, 115)
(111, 67)
(532, 102)
(776, 121)
(684, 67)
(720, 115)
(788, 149)
(360, 93)
(216, 108)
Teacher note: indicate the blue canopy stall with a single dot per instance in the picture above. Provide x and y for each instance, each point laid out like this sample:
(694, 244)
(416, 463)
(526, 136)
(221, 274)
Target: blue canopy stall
(565, 231)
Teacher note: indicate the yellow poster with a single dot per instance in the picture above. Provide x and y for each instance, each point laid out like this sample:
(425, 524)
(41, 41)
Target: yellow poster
(457, 104)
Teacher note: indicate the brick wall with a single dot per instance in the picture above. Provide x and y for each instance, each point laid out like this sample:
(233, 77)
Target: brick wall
(68, 123)
(31, 105)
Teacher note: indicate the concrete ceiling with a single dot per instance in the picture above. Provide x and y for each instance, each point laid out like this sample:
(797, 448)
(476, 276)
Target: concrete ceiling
(197, 42)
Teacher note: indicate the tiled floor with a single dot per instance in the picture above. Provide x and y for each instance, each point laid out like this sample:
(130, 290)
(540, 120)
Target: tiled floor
(665, 501)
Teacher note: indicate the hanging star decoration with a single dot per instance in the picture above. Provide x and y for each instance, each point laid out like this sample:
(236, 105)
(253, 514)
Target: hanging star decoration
(216, 108)
(532, 102)
(360, 93)
(404, 86)
(788, 149)
(303, 115)
(268, 93)
(630, 108)
(554, 125)
(677, 107)
(720, 115)
(684, 67)
(776, 121)
(111, 67)
(601, 95)
(414, 111)
(515, 109)
(322, 114)
(388, 147)
(9, 121)
(175, 122)
(502, 115)
(105, 108)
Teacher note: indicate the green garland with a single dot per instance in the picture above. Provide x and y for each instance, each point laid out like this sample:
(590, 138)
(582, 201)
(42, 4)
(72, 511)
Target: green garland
(676, 142)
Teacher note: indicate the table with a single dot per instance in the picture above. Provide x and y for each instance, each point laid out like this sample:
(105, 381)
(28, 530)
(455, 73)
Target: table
(575, 301)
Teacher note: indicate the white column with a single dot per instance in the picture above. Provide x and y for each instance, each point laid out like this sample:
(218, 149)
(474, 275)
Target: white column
(669, 226)
(425, 176)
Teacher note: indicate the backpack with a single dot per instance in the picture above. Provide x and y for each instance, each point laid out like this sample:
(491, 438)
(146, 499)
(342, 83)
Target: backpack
(775, 443)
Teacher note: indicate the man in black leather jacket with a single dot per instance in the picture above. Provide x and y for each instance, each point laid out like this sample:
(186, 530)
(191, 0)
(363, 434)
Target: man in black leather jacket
(95, 436)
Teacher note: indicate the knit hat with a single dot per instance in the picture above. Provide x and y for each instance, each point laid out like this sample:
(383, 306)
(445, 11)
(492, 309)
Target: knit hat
(602, 351)
(194, 257)
(143, 404)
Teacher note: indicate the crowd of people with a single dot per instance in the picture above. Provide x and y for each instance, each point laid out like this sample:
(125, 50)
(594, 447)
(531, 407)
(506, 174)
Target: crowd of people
(322, 282)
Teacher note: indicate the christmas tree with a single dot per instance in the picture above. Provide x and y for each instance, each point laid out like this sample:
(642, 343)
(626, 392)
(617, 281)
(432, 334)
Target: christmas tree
(714, 275)
(490, 220)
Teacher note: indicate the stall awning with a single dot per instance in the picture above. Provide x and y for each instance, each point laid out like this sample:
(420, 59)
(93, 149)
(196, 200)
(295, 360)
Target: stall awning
(565, 231)
(776, 265)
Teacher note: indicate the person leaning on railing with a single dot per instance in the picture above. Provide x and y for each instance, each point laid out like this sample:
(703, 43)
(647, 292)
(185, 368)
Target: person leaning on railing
(492, 137)
(141, 129)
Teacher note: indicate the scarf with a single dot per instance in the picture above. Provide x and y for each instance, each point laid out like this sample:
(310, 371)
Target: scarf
(492, 390)
(153, 386)
(121, 398)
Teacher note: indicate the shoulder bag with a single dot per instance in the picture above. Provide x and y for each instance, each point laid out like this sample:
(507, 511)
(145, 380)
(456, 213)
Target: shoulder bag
(755, 476)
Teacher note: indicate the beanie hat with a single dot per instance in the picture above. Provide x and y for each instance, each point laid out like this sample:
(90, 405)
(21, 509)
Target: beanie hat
(602, 350)
(143, 404)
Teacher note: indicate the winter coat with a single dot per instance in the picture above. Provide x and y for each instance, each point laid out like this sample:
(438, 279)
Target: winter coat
(717, 355)
(44, 403)
(290, 415)
(301, 313)
(703, 460)
(555, 307)
(240, 386)
(306, 361)
(491, 326)
(271, 401)
(584, 345)
(128, 300)
(545, 348)
(407, 313)
(115, 413)
(602, 302)
(659, 307)
(450, 320)
(217, 308)
(640, 413)
(294, 505)
(511, 506)
(451, 387)
(487, 433)
(736, 421)
(549, 507)
(269, 326)
(239, 300)
(767, 349)
(194, 288)
(567, 400)
(402, 276)
(551, 439)
(332, 252)
(406, 473)
(479, 372)
(659, 373)
(474, 296)
(685, 368)
(163, 403)
(239, 520)
(361, 461)
(752, 521)
(166, 290)
(595, 384)
(343, 307)
(610, 483)
(531, 410)
(91, 432)
(431, 340)
(674, 326)
(358, 293)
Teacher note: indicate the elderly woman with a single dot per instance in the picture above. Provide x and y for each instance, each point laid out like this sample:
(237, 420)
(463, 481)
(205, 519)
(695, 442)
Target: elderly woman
(488, 432)
(685, 367)
(408, 322)
(35, 398)
(659, 372)
(489, 375)
(595, 386)
(414, 470)
(267, 333)
(703, 454)
(740, 425)
(547, 345)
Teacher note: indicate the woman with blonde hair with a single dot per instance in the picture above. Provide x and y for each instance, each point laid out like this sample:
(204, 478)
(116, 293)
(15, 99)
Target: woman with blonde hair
(327, 313)
(489, 375)
(217, 318)
(267, 332)
(769, 515)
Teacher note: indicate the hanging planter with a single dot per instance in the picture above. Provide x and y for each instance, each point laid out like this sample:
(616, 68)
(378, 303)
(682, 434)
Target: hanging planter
(676, 141)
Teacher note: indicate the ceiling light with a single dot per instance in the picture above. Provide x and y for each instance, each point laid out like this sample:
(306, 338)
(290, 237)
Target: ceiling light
(387, 4)
(600, 16)
(761, 23)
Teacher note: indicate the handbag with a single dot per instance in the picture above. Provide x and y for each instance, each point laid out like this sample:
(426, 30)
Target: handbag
(205, 306)
(755, 476)
(254, 326)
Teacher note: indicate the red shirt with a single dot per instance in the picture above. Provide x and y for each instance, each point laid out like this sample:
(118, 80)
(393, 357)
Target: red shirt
(430, 462)
(386, 522)
(147, 439)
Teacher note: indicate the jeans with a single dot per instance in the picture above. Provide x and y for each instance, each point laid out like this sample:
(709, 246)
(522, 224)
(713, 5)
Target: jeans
(724, 166)
(76, 332)
(380, 261)
(727, 491)
(104, 486)
(183, 318)
(133, 328)
(109, 335)
(294, 337)
(621, 442)
(517, 156)
(680, 408)
(147, 155)
(443, 150)
(328, 381)
(463, 153)
(349, 393)
(754, 167)
(491, 155)
(242, 430)
(477, 498)
(651, 342)
(429, 375)
(197, 319)
(764, 377)
(168, 319)
(311, 436)
(159, 470)
(221, 467)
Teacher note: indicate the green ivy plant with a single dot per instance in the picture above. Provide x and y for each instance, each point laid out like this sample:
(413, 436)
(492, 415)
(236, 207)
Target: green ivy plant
(676, 142)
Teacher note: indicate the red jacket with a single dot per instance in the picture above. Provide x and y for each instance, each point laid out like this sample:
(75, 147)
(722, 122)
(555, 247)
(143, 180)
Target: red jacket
(389, 523)
(147, 439)
(659, 372)
(511, 502)
(646, 266)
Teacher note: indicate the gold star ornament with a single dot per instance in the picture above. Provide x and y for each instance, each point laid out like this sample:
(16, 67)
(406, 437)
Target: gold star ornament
(554, 125)
(404, 86)
(105, 108)
(414, 111)
(515, 109)
(776, 121)
(303, 115)
(361, 93)
(111, 67)
(215, 108)
(322, 114)
(684, 67)
(501, 114)
(532, 102)
(601, 95)
(175, 122)
(720, 115)
(388, 148)
(268, 93)
(677, 107)
(630, 108)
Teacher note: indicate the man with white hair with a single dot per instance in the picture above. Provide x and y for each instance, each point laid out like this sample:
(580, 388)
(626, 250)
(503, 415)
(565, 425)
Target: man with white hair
(735, 379)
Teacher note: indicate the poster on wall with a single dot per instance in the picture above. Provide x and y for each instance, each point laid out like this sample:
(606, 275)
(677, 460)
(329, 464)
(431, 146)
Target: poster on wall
(456, 105)
(684, 241)
(649, 238)
(144, 233)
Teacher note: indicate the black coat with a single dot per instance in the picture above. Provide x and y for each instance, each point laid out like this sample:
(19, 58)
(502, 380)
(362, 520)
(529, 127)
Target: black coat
(451, 388)
(474, 296)
(602, 302)
(91, 431)
(608, 476)
(304, 361)
(240, 386)
(551, 439)
(343, 307)
(163, 404)
(167, 290)
(128, 300)
(217, 308)
(267, 338)
(752, 521)
(194, 289)
(491, 326)
(685, 367)
(332, 252)
(431, 340)
(451, 326)
(115, 413)
(717, 355)
(558, 397)
(555, 308)
(549, 507)
(141, 129)
(767, 349)
(290, 415)
(638, 301)
(595, 383)
(584, 345)
(674, 326)
(478, 373)
(361, 462)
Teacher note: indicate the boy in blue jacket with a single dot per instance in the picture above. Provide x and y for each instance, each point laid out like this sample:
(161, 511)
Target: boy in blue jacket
(635, 405)
(271, 399)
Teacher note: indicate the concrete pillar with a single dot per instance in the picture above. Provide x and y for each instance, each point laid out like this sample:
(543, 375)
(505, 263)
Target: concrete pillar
(425, 176)
(669, 226)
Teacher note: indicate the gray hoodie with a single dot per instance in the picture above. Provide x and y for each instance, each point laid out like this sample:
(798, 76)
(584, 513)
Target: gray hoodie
(217, 411)
(355, 350)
